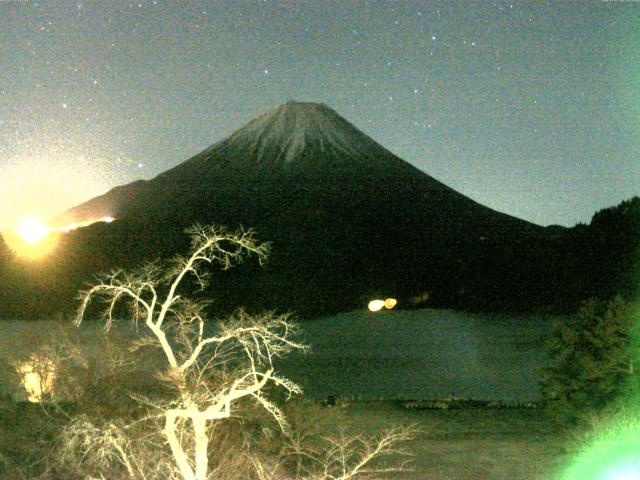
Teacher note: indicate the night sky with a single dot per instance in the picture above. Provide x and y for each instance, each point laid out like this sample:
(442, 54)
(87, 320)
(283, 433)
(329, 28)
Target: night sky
(530, 108)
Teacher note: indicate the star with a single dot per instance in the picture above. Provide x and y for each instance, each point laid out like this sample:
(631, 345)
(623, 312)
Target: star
(107, 75)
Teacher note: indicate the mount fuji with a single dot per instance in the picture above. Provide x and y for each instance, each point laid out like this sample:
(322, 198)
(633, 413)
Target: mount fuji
(347, 219)
(297, 148)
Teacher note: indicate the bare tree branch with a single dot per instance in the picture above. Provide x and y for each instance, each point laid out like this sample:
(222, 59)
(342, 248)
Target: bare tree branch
(211, 367)
(242, 350)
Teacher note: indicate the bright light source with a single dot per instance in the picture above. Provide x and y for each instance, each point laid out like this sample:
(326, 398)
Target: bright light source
(389, 303)
(626, 472)
(38, 377)
(31, 239)
(629, 471)
(376, 305)
(32, 230)
(614, 453)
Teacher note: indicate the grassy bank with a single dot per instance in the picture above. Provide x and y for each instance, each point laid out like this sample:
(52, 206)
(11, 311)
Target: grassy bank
(465, 443)
(454, 444)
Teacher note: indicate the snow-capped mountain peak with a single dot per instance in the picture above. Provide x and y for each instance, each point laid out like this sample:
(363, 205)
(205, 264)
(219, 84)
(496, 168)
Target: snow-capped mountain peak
(283, 133)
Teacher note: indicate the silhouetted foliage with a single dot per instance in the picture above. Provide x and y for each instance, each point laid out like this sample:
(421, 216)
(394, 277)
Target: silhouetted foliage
(591, 359)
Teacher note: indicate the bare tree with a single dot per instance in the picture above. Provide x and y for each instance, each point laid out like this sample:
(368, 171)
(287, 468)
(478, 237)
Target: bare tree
(353, 457)
(210, 366)
(345, 457)
(211, 369)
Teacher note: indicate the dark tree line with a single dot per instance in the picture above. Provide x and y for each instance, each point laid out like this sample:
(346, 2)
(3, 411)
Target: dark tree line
(313, 271)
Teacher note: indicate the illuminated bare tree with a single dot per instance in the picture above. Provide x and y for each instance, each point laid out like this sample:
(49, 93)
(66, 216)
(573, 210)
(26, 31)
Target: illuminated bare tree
(347, 457)
(209, 366)
(353, 457)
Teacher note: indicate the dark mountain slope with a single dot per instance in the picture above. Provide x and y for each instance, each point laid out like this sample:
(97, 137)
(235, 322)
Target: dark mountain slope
(298, 148)
(107, 205)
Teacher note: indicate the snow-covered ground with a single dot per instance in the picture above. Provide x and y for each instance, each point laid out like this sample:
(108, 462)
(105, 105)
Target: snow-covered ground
(422, 354)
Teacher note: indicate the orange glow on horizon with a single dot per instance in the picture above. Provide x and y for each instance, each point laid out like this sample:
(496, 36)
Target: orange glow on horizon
(33, 239)
(68, 228)
(77, 225)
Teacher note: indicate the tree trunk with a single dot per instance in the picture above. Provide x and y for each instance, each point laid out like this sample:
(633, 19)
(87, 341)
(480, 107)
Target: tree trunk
(176, 449)
(202, 444)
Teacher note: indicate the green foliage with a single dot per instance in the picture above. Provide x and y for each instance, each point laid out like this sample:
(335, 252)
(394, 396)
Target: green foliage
(592, 359)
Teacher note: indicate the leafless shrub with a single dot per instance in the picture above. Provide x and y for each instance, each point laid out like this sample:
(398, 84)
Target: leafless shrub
(346, 457)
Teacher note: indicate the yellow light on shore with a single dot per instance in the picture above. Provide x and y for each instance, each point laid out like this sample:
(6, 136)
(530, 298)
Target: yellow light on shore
(376, 305)
(38, 378)
(389, 303)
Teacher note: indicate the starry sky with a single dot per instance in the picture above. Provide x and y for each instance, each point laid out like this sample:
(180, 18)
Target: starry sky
(531, 108)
